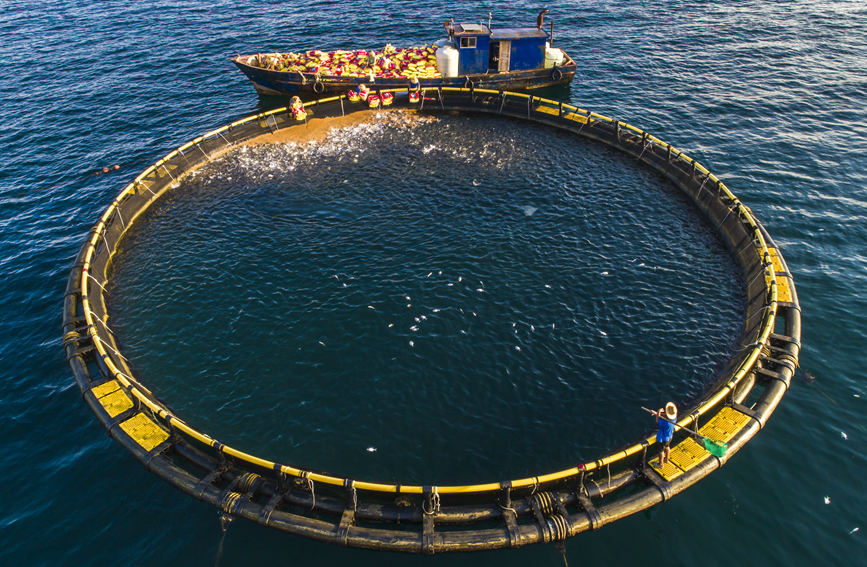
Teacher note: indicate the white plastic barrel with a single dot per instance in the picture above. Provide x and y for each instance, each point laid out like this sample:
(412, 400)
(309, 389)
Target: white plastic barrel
(553, 56)
(447, 60)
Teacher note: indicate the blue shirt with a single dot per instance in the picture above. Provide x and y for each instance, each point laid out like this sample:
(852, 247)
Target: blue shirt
(666, 430)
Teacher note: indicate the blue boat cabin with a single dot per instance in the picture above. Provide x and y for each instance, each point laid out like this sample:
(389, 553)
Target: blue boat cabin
(483, 50)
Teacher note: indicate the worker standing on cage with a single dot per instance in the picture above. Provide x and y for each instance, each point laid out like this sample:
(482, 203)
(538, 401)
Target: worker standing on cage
(665, 419)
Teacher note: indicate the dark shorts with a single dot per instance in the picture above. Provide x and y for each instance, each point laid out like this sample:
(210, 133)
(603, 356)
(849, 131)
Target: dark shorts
(665, 444)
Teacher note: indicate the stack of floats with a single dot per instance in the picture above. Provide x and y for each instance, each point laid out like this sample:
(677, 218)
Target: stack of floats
(434, 519)
(389, 62)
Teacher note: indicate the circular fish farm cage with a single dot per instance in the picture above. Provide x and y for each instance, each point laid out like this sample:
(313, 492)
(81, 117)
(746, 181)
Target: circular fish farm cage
(548, 507)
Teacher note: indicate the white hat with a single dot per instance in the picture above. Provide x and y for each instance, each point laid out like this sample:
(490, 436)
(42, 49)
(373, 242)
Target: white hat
(671, 411)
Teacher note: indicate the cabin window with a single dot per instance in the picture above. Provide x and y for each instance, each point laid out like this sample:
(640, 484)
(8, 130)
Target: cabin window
(468, 43)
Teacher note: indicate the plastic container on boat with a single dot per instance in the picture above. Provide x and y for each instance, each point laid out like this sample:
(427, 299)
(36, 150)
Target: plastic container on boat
(553, 56)
(447, 60)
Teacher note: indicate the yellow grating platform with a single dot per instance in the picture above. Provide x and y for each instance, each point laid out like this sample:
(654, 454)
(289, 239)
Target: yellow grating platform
(687, 454)
(105, 389)
(668, 471)
(574, 116)
(784, 291)
(580, 118)
(775, 259)
(724, 425)
(116, 403)
(548, 110)
(144, 431)
(114, 400)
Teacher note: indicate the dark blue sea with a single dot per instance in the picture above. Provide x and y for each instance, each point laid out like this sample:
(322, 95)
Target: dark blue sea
(473, 298)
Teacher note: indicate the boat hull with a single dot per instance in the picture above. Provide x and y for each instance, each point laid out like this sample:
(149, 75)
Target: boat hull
(290, 83)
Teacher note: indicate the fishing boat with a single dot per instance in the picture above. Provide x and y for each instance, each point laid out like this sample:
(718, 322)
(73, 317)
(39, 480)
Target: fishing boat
(472, 56)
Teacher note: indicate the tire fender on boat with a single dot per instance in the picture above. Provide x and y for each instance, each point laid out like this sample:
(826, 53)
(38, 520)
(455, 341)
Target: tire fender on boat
(468, 83)
(556, 73)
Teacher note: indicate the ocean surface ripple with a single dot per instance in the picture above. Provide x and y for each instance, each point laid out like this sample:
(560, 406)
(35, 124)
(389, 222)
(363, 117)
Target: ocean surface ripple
(427, 293)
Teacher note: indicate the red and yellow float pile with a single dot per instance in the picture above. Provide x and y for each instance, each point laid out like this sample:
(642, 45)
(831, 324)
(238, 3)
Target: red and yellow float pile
(373, 100)
(297, 108)
(390, 62)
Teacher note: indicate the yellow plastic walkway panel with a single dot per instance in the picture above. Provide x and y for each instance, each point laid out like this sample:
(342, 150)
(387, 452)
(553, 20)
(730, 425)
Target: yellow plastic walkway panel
(668, 471)
(548, 110)
(105, 389)
(687, 454)
(724, 425)
(113, 399)
(784, 292)
(775, 260)
(579, 118)
(144, 431)
(574, 116)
